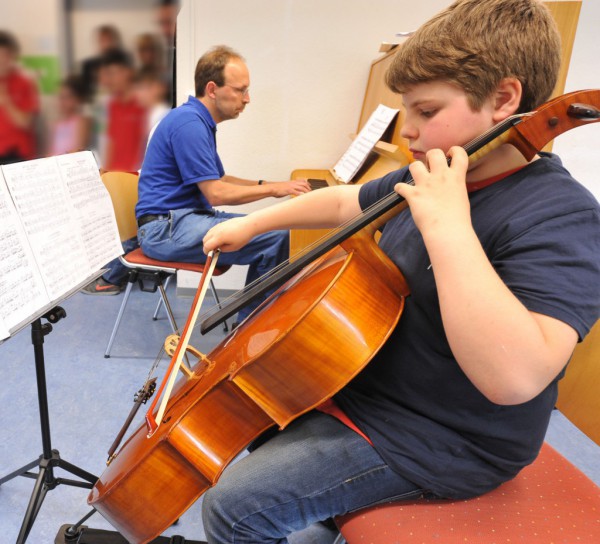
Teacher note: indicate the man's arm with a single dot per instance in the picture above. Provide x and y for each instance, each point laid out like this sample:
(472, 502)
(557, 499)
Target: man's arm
(329, 207)
(230, 190)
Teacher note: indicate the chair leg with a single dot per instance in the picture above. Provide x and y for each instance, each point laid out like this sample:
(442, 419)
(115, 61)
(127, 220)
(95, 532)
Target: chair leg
(165, 301)
(216, 297)
(118, 321)
(160, 300)
(163, 298)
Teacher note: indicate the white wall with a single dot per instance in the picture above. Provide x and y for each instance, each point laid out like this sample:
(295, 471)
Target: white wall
(36, 24)
(309, 63)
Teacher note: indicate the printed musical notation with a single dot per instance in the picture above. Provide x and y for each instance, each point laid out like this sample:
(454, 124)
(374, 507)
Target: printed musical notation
(57, 228)
(356, 155)
(21, 288)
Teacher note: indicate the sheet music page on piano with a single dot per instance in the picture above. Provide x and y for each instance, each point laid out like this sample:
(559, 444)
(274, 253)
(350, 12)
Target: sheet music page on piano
(355, 156)
(22, 290)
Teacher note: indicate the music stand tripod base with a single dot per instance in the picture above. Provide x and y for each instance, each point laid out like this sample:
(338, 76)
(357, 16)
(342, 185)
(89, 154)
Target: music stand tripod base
(50, 459)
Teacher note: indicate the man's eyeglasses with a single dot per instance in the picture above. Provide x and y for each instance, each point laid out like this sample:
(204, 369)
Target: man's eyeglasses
(244, 91)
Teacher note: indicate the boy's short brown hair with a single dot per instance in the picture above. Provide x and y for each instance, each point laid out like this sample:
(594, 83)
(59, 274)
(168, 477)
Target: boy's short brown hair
(474, 44)
(211, 67)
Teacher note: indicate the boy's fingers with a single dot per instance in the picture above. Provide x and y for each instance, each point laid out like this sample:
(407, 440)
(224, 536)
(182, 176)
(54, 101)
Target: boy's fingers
(436, 158)
(459, 158)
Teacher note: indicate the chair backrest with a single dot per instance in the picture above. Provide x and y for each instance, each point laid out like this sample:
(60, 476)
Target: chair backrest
(123, 190)
(579, 390)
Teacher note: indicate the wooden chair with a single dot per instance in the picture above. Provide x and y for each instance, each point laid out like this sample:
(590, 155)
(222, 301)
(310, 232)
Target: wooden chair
(550, 501)
(150, 274)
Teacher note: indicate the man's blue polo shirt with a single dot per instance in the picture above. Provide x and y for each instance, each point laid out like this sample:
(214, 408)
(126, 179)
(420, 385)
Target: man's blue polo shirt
(181, 152)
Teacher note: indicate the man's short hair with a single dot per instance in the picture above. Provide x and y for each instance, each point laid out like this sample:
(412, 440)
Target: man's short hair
(8, 40)
(211, 67)
(474, 44)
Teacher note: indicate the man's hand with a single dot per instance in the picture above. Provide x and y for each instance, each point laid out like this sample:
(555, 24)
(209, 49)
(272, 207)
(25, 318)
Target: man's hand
(294, 187)
(231, 191)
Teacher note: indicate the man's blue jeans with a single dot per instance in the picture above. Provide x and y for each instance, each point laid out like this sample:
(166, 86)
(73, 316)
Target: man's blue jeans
(315, 469)
(179, 238)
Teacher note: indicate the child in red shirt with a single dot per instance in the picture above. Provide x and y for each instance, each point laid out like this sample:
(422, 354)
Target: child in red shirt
(126, 117)
(19, 102)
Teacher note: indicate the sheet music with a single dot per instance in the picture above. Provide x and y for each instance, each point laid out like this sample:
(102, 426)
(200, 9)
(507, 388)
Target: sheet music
(57, 230)
(92, 208)
(21, 288)
(4, 333)
(42, 202)
(363, 144)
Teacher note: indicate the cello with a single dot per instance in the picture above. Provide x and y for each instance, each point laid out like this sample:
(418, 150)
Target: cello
(269, 370)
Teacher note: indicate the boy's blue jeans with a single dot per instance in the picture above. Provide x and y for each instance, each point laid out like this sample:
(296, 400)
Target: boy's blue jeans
(179, 238)
(315, 469)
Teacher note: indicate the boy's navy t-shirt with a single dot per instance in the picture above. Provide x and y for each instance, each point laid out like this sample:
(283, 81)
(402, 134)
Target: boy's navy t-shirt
(541, 231)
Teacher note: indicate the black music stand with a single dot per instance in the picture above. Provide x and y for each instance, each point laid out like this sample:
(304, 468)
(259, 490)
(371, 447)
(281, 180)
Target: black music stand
(45, 479)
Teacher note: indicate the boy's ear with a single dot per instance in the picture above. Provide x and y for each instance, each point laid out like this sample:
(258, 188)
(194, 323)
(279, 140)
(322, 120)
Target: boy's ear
(507, 98)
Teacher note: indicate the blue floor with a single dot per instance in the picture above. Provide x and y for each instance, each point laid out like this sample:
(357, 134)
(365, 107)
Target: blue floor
(90, 396)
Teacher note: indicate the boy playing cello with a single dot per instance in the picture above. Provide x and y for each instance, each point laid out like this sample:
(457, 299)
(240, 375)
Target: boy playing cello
(504, 272)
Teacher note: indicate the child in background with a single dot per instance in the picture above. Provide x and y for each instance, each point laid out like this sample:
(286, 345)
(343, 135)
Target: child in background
(107, 37)
(150, 53)
(126, 117)
(71, 131)
(151, 92)
(124, 146)
(19, 103)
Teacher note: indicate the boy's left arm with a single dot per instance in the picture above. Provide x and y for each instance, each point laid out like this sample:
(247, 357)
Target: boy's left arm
(509, 353)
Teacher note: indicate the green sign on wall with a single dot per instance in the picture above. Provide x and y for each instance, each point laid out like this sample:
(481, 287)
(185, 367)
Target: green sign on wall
(46, 69)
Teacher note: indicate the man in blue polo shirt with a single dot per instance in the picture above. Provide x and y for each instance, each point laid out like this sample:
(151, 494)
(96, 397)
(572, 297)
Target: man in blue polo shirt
(182, 176)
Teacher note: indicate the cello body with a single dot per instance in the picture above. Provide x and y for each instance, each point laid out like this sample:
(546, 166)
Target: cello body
(299, 348)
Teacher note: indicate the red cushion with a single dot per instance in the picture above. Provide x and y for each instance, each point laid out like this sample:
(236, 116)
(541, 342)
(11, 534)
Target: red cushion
(137, 257)
(550, 501)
